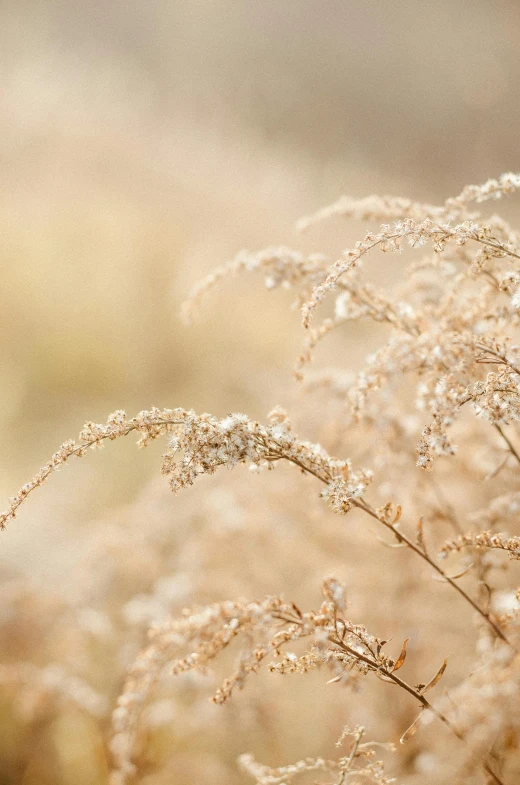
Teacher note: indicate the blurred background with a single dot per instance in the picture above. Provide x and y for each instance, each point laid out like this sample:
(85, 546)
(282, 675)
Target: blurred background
(142, 144)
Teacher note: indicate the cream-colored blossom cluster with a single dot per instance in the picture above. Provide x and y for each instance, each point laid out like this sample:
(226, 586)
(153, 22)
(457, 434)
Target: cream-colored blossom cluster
(198, 444)
(485, 539)
(359, 762)
(281, 267)
(267, 627)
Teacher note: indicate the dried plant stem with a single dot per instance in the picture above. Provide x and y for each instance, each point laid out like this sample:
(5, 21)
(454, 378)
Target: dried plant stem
(351, 757)
(71, 449)
(155, 423)
(501, 357)
(362, 505)
(400, 682)
(512, 449)
(391, 238)
(498, 246)
(386, 315)
(420, 552)
(388, 674)
(412, 691)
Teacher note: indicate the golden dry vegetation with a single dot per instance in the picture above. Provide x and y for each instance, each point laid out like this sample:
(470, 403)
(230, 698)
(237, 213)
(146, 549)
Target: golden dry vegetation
(143, 146)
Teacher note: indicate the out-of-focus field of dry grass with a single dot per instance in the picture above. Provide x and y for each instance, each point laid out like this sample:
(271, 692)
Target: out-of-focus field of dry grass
(141, 145)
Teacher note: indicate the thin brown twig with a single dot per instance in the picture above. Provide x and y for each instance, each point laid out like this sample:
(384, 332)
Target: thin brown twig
(507, 440)
(374, 665)
(425, 703)
(416, 549)
(353, 753)
(362, 505)
(502, 357)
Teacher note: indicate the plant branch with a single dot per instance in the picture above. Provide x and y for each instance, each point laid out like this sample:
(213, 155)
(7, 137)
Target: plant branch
(362, 505)
(512, 449)
(374, 665)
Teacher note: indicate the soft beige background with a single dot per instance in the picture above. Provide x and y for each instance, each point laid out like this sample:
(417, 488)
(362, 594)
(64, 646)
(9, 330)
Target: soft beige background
(144, 143)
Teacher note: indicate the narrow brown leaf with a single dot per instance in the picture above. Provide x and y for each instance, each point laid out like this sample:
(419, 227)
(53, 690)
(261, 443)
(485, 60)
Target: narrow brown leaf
(398, 511)
(391, 545)
(411, 731)
(437, 676)
(460, 574)
(402, 656)
(420, 535)
(296, 610)
(380, 646)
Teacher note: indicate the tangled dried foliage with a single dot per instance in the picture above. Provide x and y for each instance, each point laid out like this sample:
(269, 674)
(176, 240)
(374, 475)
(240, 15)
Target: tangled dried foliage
(433, 413)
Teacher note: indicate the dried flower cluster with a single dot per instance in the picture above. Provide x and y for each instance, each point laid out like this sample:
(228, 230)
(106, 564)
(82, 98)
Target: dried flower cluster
(484, 539)
(340, 769)
(433, 412)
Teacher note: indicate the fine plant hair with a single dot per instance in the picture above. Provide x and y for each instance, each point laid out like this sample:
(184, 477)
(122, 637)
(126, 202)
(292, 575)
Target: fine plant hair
(420, 445)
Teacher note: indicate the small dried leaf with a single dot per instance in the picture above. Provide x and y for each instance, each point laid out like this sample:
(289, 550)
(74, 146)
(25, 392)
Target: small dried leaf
(335, 679)
(391, 545)
(296, 610)
(411, 731)
(437, 676)
(487, 589)
(420, 535)
(402, 656)
(380, 646)
(398, 511)
(464, 571)
(383, 677)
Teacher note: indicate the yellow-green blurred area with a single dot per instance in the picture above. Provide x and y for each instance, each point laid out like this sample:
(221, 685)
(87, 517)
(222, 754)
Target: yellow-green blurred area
(143, 144)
